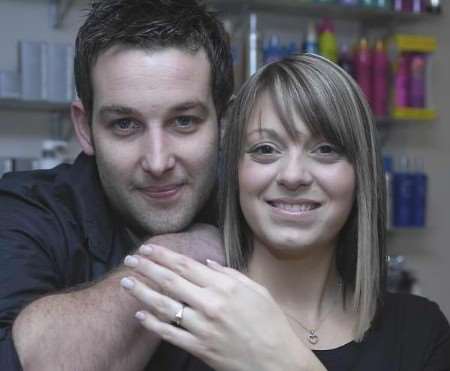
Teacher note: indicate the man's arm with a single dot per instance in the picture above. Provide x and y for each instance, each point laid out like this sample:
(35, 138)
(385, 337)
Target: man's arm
(94, 328)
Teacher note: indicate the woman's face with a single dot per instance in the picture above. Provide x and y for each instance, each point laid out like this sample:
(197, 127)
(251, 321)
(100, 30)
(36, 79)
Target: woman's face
(295, 193)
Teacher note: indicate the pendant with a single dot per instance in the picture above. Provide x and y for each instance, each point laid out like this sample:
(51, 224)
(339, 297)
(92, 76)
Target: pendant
(312, 337)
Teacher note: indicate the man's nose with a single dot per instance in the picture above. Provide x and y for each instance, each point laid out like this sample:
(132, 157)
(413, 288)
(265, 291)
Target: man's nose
(158, 155)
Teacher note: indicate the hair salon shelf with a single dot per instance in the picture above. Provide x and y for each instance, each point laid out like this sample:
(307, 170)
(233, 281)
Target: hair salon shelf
(7, 104)
(310, 9)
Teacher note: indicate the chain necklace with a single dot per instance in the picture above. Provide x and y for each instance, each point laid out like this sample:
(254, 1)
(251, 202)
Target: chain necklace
(312, 336)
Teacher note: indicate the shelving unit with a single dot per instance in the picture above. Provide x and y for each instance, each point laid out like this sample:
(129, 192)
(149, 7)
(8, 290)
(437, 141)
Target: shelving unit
(296, 7)
(7, 104)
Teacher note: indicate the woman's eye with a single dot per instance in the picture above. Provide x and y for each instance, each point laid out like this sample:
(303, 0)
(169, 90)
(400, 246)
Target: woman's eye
(263, 152)
(264, 149)
(327, 149)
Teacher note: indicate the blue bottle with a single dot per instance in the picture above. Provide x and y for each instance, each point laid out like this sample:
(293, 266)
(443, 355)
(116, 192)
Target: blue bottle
(273, 51)
(387, 166)
(311, 44)
(403, 181)
(420, 180)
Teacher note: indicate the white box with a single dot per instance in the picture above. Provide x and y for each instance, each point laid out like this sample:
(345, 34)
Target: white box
(9, 84)
(33, 70)
(60, 72)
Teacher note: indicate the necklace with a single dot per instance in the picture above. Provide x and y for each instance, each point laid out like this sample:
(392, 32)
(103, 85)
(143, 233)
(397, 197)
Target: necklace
(312, 336)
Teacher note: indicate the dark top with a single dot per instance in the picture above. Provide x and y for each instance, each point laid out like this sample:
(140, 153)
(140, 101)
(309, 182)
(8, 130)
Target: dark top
(412, 334)
(57, 231)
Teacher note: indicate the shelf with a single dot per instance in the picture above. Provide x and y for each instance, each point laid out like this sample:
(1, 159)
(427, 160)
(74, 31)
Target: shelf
(296, 7)
(58, 10)
(37, 106)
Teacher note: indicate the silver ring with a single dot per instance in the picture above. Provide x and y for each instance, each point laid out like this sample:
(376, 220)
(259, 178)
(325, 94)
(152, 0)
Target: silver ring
(179, 315)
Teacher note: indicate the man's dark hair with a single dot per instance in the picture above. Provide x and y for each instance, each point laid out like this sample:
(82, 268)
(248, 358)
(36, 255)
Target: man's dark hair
(152, 25)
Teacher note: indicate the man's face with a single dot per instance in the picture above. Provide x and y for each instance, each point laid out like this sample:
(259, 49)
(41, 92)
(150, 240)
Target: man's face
(155, 135)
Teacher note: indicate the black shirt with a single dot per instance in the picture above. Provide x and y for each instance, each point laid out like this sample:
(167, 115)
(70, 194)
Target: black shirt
(412, 334)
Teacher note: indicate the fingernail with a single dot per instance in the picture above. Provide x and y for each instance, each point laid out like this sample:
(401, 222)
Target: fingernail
(146, 249)
(127, 283)
(140, 315)
(131, 261)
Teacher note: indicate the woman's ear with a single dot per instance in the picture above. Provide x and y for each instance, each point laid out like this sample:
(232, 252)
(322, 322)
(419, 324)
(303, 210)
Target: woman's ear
(83, 130)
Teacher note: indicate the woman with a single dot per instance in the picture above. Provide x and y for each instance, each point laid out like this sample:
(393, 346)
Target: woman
(303, 221)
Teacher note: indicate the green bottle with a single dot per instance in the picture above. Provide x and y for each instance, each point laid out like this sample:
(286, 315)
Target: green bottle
(327, 40)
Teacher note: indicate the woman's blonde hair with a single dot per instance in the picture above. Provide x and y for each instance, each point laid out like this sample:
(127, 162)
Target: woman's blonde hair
(331, 104)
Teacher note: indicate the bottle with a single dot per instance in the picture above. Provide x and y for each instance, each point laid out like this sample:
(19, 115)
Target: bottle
(345, 59)
(388, 177)
(327, 40)
(417, 80)
(433, 6)
(420, 180)
(290, 49)
(417, 6)
(237, 53)
(348, 2)
(53, 153)
(380, 80)
(403, 5)
(310, 44)
(363, 66)
(401, 81)
(273, 51)
(383, 4)
(403, 193)
(368, 3)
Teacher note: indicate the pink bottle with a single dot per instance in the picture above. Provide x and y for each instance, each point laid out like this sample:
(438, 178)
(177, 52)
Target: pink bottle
(380, 78)
(401, 81)
(362, 65)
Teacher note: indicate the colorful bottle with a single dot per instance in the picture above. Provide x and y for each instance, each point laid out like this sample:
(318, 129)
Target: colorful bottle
(327, 40)
(403, 194)
(401, 81)
(345, 59)
(418, 6)
(383, 4)
(368, 3)
(380, 80)
(433, 6)
(272, 51)
(363, 67)
(417, 80)
(420, 180)
(310, 44)
(387, 165)
(403, 5)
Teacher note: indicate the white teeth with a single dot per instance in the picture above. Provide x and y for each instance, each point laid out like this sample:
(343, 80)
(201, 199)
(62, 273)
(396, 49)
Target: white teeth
(295, 208)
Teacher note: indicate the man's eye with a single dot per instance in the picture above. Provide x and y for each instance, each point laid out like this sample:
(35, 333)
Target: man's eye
(125, 125)
(185, 122)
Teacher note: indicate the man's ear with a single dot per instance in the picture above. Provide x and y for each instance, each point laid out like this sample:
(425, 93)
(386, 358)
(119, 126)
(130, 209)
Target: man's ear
(82, 127)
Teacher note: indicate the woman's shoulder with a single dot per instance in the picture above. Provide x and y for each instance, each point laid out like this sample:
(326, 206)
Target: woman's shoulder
(411, 333)
(418, 324)
(410, 307)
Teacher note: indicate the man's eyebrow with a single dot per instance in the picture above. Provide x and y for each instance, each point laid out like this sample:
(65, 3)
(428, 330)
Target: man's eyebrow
(186, 106)
(116, 109)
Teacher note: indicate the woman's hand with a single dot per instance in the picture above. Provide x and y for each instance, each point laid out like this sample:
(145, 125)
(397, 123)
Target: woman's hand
(226, 319)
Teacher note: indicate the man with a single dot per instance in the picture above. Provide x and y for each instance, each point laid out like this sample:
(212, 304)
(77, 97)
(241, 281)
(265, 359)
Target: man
(153, 77)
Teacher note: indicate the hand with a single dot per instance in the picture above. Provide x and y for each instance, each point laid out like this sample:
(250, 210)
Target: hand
(229, 321)
(200, 242)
